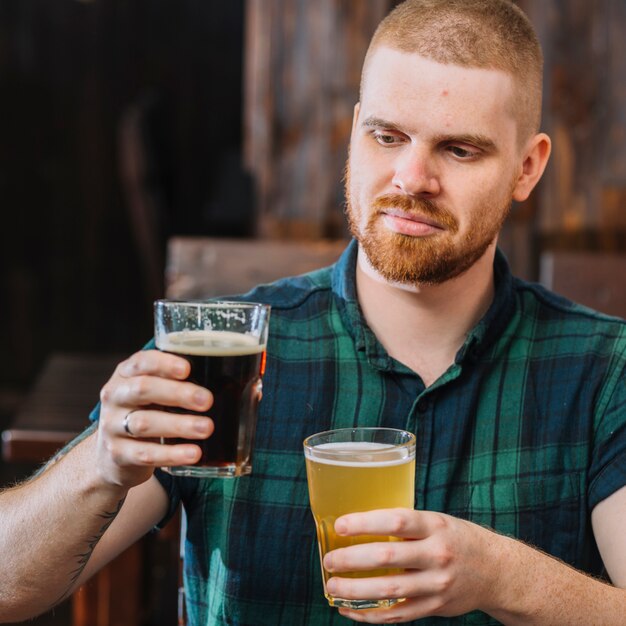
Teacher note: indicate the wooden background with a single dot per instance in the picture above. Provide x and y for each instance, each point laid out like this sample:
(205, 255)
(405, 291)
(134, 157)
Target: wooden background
(581, 203)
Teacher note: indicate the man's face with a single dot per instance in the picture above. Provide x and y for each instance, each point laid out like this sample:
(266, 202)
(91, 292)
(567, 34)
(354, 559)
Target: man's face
(432, 167)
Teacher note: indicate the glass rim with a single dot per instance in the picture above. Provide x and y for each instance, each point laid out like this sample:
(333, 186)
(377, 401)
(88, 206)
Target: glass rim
(411, 440)
(211, 304)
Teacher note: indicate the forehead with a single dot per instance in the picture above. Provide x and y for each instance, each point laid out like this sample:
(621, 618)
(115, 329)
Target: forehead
(419, 93)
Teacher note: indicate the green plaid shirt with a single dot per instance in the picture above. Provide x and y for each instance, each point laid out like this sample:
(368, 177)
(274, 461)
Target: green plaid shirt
(525, 433)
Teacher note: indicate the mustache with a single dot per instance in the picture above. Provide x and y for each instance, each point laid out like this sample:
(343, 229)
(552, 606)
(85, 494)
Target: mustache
(417, 207)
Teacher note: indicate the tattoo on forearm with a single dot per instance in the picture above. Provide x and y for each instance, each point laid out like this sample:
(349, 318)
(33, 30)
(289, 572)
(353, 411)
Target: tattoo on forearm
(92, 542)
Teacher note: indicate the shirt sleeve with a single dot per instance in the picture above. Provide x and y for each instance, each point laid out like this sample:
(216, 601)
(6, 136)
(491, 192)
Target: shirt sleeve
(172, 488)
(608, 466)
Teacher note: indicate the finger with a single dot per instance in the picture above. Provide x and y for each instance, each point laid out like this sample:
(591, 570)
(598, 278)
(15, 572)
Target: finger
(141, 391)
(405, 611)
(150, 423)
(407, 584)
(431, 553)
(404, 523)
(391, 586)
(154, 363)
(375, 555)
(137, 452)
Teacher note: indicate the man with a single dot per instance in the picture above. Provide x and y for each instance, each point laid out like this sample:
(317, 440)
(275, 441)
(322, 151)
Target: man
(517, 397)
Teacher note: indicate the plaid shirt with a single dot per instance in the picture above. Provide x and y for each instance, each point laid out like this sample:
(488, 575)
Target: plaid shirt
(524, 433)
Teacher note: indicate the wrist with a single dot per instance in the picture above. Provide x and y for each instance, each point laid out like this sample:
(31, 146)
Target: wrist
(520, 586)
(503, 586)
(91, 474)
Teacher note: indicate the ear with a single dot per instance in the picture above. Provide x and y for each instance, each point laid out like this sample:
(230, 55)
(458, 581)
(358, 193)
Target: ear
(536, 155)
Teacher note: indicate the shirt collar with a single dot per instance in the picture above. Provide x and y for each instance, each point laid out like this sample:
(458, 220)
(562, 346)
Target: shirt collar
(343, 283)
(498, 315)
(478, 340)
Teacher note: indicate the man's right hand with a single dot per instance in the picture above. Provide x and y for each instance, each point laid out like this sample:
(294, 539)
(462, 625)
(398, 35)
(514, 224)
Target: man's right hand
(142, 388)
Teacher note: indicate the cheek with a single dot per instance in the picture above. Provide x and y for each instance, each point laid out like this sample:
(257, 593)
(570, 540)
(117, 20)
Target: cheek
(479, 196)
(367, 184)
(368, 165)
(488, 211)
(358, 184)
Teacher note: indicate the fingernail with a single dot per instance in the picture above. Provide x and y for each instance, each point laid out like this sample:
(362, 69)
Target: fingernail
(190, 454)
(341, 527)
(331, 587)
(201, 427)
(201, 397)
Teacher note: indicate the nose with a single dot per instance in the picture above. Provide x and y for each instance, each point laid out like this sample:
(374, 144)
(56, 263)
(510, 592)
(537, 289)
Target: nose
(415, 173)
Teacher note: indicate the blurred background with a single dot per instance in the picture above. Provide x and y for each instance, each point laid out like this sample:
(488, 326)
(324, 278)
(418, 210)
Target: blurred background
(124, 123)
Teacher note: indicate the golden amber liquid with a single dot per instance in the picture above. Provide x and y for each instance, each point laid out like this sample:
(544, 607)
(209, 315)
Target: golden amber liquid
(355, 484)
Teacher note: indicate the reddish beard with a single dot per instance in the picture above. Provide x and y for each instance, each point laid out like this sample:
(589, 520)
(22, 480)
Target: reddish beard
(430, 259)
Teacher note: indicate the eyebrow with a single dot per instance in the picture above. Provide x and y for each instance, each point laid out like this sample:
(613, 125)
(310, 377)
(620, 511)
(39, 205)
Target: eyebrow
(379, 122)
(480, 141)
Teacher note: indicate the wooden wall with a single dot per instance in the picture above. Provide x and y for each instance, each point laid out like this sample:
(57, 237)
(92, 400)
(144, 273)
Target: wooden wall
(581, 202)
(303, 68)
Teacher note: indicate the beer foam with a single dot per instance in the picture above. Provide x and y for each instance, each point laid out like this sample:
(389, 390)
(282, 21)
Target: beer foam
(359, 454)
(209, 343)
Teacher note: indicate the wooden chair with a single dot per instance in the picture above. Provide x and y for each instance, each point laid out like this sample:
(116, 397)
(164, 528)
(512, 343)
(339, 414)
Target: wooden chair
(595, 279)
(204, 267)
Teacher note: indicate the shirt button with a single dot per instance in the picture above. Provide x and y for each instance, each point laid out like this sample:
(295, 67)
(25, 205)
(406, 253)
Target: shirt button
(422, 405)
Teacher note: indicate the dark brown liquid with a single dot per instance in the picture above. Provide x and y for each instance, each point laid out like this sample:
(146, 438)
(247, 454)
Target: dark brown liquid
(235, 382)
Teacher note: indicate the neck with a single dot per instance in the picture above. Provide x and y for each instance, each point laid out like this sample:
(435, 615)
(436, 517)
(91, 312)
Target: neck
(424, 326)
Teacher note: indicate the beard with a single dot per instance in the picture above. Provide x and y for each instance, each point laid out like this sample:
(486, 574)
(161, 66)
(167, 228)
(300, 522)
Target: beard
(430, 259)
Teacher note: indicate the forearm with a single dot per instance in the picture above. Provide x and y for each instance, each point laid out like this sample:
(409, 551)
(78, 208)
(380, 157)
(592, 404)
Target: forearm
(536, 589)
(48, 528)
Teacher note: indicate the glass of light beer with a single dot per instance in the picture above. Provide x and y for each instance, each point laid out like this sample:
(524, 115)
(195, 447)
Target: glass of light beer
(357, 469)
(224, 343)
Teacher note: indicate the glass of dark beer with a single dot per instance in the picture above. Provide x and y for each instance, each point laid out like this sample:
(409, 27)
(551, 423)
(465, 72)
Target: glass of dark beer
(224, 343)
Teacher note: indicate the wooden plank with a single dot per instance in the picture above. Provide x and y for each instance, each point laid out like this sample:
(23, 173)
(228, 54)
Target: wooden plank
(26, 446)
(58, 406)
(65, 392)
(202, 267)
(593, 279)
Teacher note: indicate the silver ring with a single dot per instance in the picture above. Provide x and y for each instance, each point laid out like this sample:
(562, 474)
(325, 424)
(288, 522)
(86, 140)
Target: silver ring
(125, 423)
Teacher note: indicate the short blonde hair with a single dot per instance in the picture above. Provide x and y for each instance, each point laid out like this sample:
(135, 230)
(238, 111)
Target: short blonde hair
(490, 34)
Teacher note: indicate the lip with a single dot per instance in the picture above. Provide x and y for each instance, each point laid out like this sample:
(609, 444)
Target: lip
(410, 224)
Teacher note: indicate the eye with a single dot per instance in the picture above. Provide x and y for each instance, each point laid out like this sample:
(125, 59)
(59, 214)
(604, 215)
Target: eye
(386, 139)
(461, 153)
